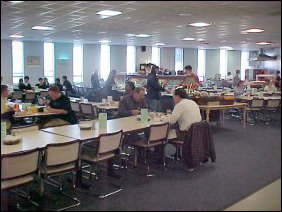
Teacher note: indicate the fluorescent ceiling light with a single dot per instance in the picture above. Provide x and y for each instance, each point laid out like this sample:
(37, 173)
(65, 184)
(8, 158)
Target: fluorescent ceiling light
(130, 35)
(16, 36)
(109, 13)
(42, 28)
(16, 2)
(200, 39)
(263, 43)
(142, 35)
(253, 30)
(188, 39)
(159, 44)
(199, 24)
(104, 41)
(226, 47)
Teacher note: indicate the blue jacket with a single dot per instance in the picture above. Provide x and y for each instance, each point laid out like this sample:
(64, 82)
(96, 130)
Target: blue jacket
(153, 87)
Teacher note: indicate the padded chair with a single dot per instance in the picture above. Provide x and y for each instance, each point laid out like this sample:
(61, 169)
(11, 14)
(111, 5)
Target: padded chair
(60, 159)
(254, 106)
(108, 146)
(157, 137)
(19, 169)
(272, 106)
(88, 111)
(17, 95)
(29, 97)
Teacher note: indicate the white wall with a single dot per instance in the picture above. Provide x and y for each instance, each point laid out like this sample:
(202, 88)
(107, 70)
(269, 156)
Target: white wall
(143, 57)
(6, 62)
(233, 61)
(118, 58)
(34, 72)
(91, 61)
(191, 58)
(212, 62)
(64, 50)
(167, 58)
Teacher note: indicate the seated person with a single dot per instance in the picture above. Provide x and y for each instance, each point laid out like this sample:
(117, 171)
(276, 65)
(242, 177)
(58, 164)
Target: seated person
(40, 83)
(66, 84)
(239, 89)
(20, 83)
(46, 83)
(269, 87)
(229, 76)
(25, 85)
(131, 105)
(59, 104)
(6, 112)
(58, 84)
(185, 113)
(129, 88)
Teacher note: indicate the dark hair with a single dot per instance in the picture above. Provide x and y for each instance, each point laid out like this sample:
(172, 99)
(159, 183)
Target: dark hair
(188, 67)
(277, 72)
(147, 66)
(153, 70)
(45, 78)
(54, 88)
(267, 81)
(237, 71)
(58, 79)
(26, 77)
(228, 73)
(130, 84)
(181, 93)
(4, 88)
(20, 80)
(139, 89)
(65, 77)
(40, 79)
(239, 82)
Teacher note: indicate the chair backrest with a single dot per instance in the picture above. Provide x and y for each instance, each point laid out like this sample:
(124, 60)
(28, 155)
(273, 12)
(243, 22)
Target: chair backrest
(87, 109)
(40, 100)
(256, 103)
(24, 129)
(17, 95)
(75, 106)
(29, 96)
(19, 164)
(62, 153)
(109, 142)
(44, 93)
(158, 132)
(273, 103)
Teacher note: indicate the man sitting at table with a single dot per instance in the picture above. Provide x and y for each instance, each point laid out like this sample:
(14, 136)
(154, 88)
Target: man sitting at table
(40, 83)
(131, 105)
(185, 113)
(59, 104)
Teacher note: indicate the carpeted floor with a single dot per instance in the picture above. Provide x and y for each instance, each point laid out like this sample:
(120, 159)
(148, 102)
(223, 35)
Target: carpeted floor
(246, 162)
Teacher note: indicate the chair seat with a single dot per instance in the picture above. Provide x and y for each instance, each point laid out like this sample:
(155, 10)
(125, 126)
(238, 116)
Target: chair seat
(144, 144)
(90, 156)
(176, 142)
(58, 169)
(6, 184)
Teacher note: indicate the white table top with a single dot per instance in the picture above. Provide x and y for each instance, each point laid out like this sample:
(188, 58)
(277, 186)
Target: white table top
(127, 124)
(33, 139)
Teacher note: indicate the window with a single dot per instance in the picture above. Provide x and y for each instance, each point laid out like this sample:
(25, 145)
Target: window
(201, 64)
(156, 56)
(105, 62)
(131, 59)
(18, 61)
(178, 59)
(244, 63)
(223, 63)
(49, 65)
(77, 62)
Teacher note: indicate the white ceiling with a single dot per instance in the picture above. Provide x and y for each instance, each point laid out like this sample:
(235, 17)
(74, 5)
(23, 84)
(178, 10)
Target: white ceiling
(78, 20)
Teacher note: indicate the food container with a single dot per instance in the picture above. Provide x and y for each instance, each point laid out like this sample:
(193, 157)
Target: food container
(11, 140)
(227, 100)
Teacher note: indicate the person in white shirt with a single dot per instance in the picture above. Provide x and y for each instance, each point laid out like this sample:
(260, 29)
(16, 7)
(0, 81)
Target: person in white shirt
(269, 87)
(185, 113)
(229, 76)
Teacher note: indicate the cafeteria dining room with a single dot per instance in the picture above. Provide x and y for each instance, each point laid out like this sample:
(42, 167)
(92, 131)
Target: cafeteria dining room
(141, 105)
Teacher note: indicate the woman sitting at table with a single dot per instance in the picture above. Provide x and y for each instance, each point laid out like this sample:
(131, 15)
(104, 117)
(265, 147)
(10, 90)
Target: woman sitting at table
(239, 89)
(6, 112)
(40, 83)
(25, 85)
(129, 88)
(59, 104)
(269, 87)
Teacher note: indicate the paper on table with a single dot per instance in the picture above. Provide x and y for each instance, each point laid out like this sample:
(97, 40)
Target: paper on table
(144, 115)
(3, 130)
(102, 121)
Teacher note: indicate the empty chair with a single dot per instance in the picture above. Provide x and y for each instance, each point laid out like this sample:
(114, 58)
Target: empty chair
(29, 97)
(18, 169)
(88, 111)
(17, 95)
(254, 106)
(107, 148)
(157, 137)
(76, 108)
(272, 106)
(60, 159)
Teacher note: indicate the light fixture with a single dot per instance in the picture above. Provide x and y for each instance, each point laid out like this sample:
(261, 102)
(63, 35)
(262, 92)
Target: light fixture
(130, 35)
(142, 35)
(16, 2)
(104, 41)
(16, 36)
(184, 14)
(200, 39)
(226, 47)
(45, 28)
(200, 24)
(159, 44)
(108, 13)
(263, 43)
(253, 30)
(188, 39)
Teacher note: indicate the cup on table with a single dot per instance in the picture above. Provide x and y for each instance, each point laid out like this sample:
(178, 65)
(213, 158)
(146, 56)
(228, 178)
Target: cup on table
(104, 101)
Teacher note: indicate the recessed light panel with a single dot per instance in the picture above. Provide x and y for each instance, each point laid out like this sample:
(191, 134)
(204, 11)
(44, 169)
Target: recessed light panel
(16, 36)
(42, 28)
(188, 39)
(109, 13)
(159, 44)
(104, 41)
(253, 30)
(142, 35)
(200, 24)
(264, 43)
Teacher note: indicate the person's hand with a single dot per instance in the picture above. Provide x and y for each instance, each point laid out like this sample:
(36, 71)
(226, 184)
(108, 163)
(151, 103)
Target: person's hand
(135, 112)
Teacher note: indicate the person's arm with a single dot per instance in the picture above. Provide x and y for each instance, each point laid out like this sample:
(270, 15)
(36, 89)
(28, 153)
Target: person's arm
(175, 116)
(28, 87)
(123, 109)
(53, 110)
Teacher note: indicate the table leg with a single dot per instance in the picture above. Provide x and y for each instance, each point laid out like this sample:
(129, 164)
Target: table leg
(208, 116)
(244, 118)
(223, 116)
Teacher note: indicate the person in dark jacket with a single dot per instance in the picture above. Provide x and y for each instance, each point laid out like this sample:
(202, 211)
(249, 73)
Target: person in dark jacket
(40, 83)
(95, 80)
(110, 82)
(154, 91)
(46, 83)
(25, 85)
(129, 88)
(66, 84)
(58, 84)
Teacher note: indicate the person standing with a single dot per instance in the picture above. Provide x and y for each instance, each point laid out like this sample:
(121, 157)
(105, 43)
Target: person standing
(239, 89)
(95, 80)
(154, 91)
(110, 82)
(236, 78)
(191, 79)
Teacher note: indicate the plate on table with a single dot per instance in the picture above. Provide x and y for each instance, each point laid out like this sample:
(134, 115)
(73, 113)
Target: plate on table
(11, 140)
